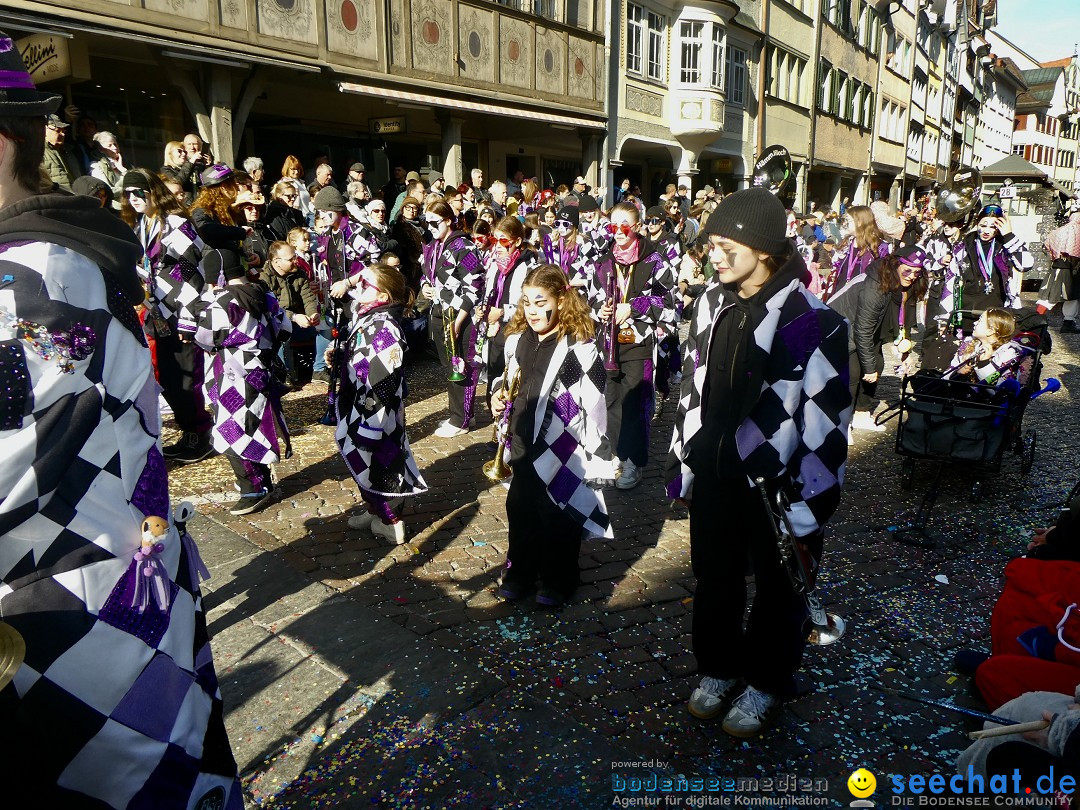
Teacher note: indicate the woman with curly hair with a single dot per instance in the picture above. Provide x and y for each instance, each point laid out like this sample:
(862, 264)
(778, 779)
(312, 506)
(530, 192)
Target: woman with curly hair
(172, 272)
(212, 212)
(555, 371)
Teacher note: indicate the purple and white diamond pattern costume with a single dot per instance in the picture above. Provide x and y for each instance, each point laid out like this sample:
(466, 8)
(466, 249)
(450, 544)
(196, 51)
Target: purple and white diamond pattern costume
(371, 409)
(797, 430)
(240, 346)
(570, 427)
(126, 701)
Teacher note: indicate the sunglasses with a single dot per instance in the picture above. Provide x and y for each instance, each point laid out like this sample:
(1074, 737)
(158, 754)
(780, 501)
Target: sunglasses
(368, 285)
(482, 241)
(136, 192)
(378, 211)
(993, 211)
(613, 229)
(433, 223)
(563, 224)
(289, 197)
(503, 241)
(654, 221)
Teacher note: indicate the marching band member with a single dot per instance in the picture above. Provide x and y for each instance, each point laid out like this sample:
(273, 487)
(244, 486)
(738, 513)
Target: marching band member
(242, 325)
(509, 263)
(639, 276)
(986, 272)
(568, 248)
(553, 418)
(453, 277)
(658, 231)
(864, 243)
(764, 394)
(371, 401)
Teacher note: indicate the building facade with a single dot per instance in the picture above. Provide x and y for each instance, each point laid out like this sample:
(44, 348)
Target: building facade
(442, 85)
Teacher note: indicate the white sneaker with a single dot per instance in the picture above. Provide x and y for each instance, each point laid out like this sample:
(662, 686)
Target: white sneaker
(631, 475)
(864, 420)
(394, 532)
(361, 521)
(712, 696)
(448, 431)
(751, 712)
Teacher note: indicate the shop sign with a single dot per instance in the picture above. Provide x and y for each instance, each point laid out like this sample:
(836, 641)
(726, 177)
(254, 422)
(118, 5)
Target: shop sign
(387, 126)
(722, 165)
(46, 57)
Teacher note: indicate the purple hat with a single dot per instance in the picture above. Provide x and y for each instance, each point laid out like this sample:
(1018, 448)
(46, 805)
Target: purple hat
(911, 255)
(215, 175)
(18, 95)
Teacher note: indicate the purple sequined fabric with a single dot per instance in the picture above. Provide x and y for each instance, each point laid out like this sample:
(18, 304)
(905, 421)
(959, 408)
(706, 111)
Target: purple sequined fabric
(802, 336)
(151, 495)
(149, 625)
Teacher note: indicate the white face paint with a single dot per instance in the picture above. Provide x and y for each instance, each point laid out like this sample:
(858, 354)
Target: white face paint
(847, 226)
(541, 310)
(988, 228)
(138, 204)
(623, 221)
(438, 228)
(792, 226)
(503, 251)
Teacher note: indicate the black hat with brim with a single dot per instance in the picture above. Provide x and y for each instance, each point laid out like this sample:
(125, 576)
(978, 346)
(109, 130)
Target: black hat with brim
(18, 94)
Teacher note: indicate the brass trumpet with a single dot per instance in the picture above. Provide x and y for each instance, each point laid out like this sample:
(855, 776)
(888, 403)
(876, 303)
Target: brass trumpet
(497, 469)
(827, 628)
(457, 371)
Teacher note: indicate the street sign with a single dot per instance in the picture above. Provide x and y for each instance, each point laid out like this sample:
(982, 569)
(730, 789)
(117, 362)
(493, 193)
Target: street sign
(387, 126)
(45, 56)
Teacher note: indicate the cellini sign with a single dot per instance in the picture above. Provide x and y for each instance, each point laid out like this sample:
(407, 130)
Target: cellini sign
(46, 57)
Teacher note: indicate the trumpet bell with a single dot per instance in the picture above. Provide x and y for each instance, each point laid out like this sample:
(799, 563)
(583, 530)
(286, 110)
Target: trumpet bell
(12, 653)
(456, 376)
(497, 469)
(823, 636)
(960, 196)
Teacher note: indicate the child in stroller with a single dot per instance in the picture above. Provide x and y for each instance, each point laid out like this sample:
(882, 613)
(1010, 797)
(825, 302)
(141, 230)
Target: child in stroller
(994, 353)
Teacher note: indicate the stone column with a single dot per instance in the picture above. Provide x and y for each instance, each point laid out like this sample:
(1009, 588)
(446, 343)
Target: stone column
(687, 169)
(453, 169)
(220, 98)
(590, 157)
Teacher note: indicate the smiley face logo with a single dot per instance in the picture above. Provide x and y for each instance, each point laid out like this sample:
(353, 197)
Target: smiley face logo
(861, 783)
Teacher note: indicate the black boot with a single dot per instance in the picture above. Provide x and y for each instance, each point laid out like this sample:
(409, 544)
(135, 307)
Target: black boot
(177, 447)
(197, 446)
(1070, 328)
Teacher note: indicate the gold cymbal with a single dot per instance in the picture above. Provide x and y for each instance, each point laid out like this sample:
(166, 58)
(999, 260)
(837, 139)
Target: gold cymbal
(12, 653)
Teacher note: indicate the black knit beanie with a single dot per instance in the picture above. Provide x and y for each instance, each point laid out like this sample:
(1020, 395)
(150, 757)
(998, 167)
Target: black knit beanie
(753, 217)
(569, 213)
(136, 180)
(587, 203)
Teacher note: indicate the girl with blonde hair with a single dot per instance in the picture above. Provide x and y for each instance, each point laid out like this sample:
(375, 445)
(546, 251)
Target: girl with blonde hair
(863, 244)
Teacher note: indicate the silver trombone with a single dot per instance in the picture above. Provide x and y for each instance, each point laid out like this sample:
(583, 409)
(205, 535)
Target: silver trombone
(827, 628)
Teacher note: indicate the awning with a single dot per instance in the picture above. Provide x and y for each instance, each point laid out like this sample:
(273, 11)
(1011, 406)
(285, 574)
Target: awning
(472, 106)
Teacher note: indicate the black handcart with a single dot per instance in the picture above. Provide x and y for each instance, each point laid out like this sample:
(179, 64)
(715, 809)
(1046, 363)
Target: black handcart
(954, 421)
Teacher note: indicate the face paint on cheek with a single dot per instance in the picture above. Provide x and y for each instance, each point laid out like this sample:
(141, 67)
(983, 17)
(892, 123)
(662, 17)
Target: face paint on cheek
(730, 257)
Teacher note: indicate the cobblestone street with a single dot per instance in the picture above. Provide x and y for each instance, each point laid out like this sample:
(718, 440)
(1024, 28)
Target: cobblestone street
(487, 704)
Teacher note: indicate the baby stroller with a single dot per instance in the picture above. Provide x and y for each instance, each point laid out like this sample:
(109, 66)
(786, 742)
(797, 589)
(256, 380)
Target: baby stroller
(974, 424)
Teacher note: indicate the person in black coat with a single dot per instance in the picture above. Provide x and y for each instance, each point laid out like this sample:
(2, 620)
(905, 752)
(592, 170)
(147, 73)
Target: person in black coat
(880, 306)
(281, 214)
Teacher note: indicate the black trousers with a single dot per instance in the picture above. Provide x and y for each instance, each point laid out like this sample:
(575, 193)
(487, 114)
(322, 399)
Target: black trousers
(299, 351)
(729, 527)
(180, 372)
(543, 542)
(250, 476)
(629, 397)
(461, 394)
(496, 363)
(864, 394)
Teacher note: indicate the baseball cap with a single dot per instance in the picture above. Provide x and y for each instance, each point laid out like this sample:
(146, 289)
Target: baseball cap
(412, 176)
(56, 121)
(579, 180)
